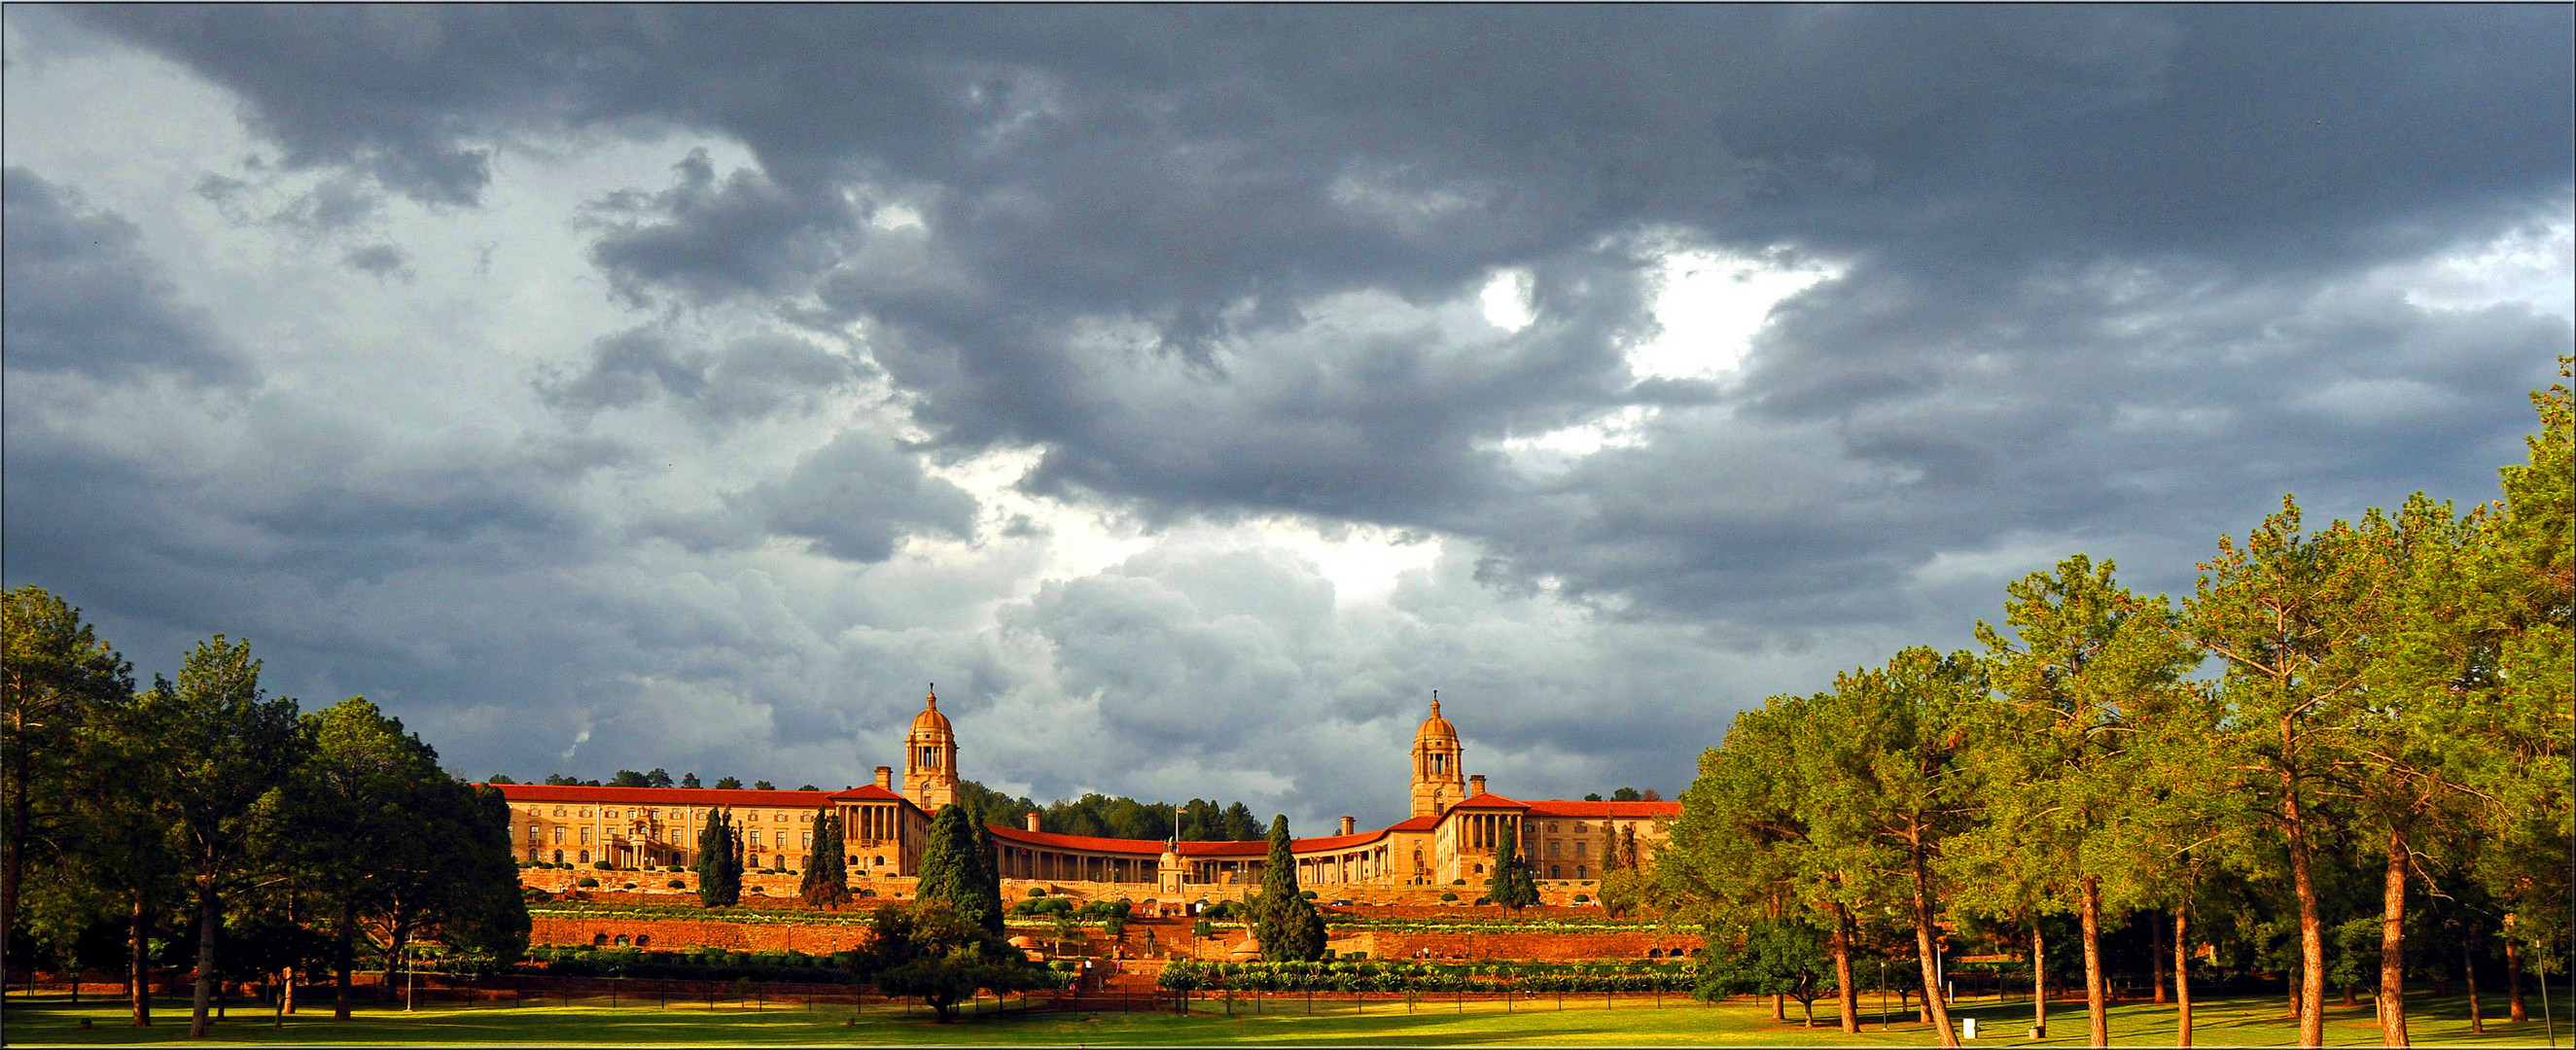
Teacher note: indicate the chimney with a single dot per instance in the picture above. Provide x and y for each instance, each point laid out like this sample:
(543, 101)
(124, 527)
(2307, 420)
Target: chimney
(1346, 825)
(1475, 785)
(885, 777)
(1032, 820)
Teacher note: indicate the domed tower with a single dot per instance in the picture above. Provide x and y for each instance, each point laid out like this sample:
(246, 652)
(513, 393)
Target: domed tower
(1439, 776)
(930, 758)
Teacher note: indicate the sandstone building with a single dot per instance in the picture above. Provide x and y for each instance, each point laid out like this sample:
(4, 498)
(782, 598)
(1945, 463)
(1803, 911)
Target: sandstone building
(1455, 830)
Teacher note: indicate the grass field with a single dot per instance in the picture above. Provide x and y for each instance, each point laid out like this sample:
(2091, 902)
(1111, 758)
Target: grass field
(50, 1020)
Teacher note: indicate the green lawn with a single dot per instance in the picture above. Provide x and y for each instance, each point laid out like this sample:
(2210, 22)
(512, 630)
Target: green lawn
(49, 1019)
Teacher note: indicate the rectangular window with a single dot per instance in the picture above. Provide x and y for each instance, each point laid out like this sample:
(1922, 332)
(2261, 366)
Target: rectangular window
(559, 834)
(755, 840)
(532, 833)
(1552, 847)
(809, 840)
(1578, 849)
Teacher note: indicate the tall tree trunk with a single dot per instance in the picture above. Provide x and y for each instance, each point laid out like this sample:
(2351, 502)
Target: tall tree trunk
(2156, 952)
(1846, 997)
(2182, 975)
(1779, 1007)
(400, 936)
(200, 1021)
(2038, 978)
(2469, 976)
(2513, 982)
(286, 992)
(2312, 929)
(1938, 1010)
(138, 978)
(12, 861)
(2392, 944)
(2097, 1002)
(345, 960)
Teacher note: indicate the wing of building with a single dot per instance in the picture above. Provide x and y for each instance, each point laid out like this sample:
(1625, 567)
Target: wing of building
(1456, 829)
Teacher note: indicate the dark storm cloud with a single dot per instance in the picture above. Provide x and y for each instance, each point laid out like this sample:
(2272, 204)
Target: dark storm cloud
(83, 297)
(1209, 176)
(2107, 284)
(714, 239)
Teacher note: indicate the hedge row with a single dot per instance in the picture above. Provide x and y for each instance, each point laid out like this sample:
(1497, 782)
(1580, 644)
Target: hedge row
(708, 964)
(1432, 977)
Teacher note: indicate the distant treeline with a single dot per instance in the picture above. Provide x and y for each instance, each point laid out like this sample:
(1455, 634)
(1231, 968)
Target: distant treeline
(1117, 817)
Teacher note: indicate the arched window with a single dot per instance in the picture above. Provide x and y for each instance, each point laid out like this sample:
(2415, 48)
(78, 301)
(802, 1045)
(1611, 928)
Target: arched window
(585, 856)
(600, 941)
(1556, 871)
(643, 939)
(1578, 872)
(558, 856)
(621, 940)
(1480, 869)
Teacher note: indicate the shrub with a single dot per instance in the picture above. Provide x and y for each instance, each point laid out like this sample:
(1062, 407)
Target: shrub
(602, 865)
(1037, 891)
(1457, 882)
(587, 882)
(676, 884)
(628, 886)
(1581, 898)
(525, 864)
(1448, 896)
(1309, 894)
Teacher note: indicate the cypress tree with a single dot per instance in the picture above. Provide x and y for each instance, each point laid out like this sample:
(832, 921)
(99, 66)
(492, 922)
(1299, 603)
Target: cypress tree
(827, 876)
(951, 870)
(719, 862)
(1283, 920)
(988, 876)
(1514, 885)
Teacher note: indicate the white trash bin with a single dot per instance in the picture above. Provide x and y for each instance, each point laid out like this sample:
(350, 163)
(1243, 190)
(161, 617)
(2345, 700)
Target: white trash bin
(1967, 1028)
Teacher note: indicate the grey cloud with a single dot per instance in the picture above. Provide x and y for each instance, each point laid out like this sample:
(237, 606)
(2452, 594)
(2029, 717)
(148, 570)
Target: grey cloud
(853, 498)
(83, 297)
(749, 378)
(382, 261)
(711, 239)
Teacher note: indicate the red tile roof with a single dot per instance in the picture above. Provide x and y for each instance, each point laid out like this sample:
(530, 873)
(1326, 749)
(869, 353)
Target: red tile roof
(1154, 848)
(634, 796)
(1488, 800)
(1561, 807)
(1424, 822)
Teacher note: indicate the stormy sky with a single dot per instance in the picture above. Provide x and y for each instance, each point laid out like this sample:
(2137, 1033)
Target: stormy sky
(1190, 391)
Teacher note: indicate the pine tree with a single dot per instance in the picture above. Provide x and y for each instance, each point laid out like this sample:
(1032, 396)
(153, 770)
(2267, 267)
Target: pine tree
(1284, 922)
(827, 877)
(719, 862)
(1514, 885)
